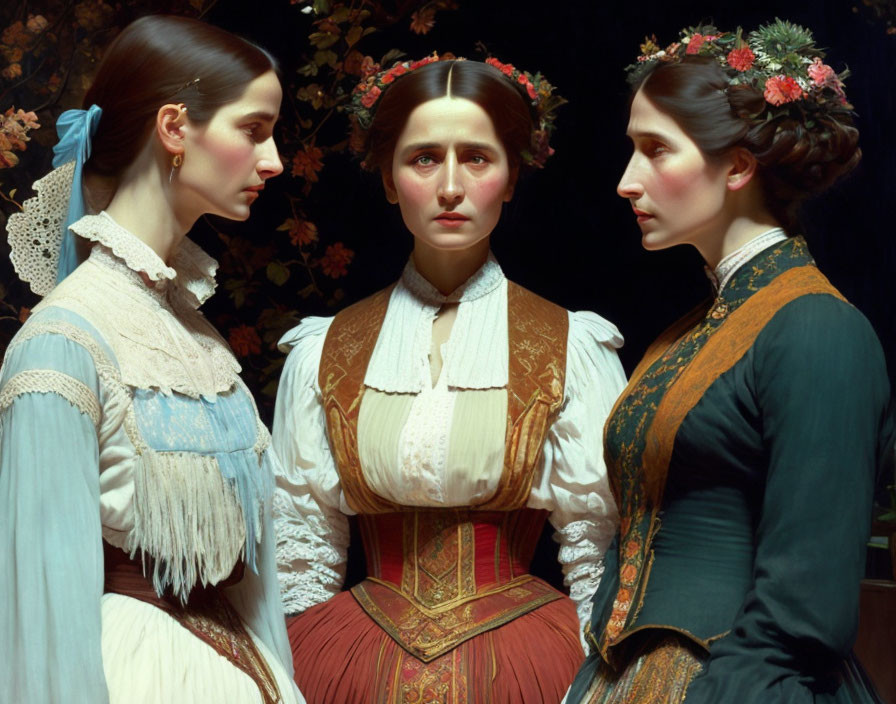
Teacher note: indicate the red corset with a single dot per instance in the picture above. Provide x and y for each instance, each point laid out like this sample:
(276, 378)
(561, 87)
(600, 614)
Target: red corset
(438, 577)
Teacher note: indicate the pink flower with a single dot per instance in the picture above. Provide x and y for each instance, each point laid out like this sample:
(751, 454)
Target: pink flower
(821, 73)
(741, 59)
(782, 89)
(695, 43)
(370, 97)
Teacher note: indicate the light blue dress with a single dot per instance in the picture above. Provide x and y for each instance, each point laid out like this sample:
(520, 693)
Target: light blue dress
(123, 418)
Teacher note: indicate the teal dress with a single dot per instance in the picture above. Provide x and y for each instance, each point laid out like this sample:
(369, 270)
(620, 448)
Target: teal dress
(742, 456)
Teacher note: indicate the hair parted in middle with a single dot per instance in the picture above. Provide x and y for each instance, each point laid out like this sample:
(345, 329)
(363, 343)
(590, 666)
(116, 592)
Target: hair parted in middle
(505, 103)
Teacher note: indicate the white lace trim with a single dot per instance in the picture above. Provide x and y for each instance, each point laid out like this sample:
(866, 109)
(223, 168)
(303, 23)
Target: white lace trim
(193, 271)
(734, 261)
(477, 347)
(35, 234)
(423, 446)
(106, 371)
(49, 381)
(172, 349)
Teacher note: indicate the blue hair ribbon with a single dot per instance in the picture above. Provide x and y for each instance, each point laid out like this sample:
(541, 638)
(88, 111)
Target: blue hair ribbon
(76, 129)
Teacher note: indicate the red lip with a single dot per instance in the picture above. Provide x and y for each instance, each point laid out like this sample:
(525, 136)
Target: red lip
(451, 219)
(255, 189)
(642, 215)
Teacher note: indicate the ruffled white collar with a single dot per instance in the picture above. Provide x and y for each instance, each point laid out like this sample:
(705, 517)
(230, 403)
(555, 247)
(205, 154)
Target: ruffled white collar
(192, 272)
(740, 256)
(476, 354)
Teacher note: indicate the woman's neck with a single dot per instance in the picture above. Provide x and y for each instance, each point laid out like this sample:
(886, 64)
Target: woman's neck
(718, 244)
(446, 269)
(142, 206)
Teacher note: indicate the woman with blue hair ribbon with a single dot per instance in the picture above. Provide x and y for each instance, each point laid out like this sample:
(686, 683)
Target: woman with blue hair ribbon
(135, 476)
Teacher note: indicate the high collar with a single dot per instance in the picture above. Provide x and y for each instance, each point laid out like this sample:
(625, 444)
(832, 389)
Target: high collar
(192, 271)
(740, 256)
(483, 281)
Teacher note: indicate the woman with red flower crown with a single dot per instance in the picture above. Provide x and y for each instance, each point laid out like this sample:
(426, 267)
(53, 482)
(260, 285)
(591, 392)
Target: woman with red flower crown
(758, 420)
(452, 413)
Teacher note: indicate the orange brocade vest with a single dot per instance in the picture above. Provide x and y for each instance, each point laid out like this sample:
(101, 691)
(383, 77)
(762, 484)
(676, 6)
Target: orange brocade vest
(439, 576)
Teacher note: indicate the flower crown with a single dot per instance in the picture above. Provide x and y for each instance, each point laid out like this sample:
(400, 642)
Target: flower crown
(779, 59)
(544, 103)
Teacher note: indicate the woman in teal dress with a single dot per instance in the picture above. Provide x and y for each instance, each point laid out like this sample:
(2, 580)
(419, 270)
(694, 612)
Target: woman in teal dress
(743, 452)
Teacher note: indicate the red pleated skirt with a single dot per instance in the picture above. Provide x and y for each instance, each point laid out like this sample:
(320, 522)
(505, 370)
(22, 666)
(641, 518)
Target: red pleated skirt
(342, 656)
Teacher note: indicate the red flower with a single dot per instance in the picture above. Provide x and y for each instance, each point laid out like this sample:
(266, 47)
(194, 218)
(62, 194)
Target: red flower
(423, 20)
(370, 97)
(336, 259)
(506, 69)
(695, 43)
(301, 232)
(530, 89)
(741, 59)
(244, 340)
(782, 89)
(307, 163)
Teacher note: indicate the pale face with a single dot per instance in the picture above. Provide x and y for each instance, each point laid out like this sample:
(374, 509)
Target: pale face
(450, 174)
(678, 196)
(228, 159)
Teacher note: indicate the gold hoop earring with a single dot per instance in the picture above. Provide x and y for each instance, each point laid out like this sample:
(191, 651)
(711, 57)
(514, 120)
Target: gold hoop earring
(176, 161)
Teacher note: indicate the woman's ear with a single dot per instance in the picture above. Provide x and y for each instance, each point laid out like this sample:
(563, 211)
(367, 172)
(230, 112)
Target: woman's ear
(511, 183)
(389, 186)
(170, 123)
(743, 168)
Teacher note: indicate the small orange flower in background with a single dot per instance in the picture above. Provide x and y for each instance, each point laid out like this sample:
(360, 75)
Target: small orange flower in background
(36, 23)
(24, 313)
(301, 232)
(354, 62)
(307, 163)
(244, 340)
(782, 89)
(12, 71)
(336, 259)
(423, 20)
(741, 59)
(15, 35)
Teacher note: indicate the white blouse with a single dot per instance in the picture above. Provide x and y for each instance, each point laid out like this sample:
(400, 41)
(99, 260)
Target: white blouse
(571, 482)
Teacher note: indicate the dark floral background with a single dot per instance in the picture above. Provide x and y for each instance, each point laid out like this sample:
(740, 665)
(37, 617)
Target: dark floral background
(323, 236)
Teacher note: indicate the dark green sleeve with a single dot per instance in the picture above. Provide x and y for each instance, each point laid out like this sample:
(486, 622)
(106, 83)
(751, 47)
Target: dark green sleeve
(821, 385)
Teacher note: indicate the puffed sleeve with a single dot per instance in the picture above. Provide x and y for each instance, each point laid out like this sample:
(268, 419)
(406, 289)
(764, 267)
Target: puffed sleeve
(51, 582)
(573, 482)
(312, 530)
(821, 385)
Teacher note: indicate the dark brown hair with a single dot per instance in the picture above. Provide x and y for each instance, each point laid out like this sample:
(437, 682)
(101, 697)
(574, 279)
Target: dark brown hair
(502, 101)
(797, 158)
(164, 59)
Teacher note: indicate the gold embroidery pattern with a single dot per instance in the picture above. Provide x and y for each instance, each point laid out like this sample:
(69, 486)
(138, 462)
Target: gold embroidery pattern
(439, 602)
(659, 672)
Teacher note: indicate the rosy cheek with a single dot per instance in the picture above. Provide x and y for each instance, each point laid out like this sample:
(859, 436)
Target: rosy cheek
(413, 189)
(489, 188)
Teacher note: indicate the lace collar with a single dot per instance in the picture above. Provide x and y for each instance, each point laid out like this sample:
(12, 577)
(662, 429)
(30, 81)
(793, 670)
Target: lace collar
(485, 280)
(192, 272)
(476, 354)
(740, 256)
